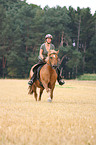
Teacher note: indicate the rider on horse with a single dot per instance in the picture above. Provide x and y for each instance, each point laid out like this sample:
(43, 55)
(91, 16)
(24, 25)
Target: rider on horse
(45, 47)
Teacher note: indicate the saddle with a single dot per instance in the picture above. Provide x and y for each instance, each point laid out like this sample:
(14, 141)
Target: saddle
(36, 66)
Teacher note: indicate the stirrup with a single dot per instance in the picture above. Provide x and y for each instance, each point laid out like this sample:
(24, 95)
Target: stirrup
(61, 82)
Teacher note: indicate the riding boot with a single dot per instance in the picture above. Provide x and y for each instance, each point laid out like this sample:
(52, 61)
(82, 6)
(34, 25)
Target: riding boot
(59, 78)
(30, 83)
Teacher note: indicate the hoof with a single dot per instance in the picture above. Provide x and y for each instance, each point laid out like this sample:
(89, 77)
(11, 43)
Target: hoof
(49, 100)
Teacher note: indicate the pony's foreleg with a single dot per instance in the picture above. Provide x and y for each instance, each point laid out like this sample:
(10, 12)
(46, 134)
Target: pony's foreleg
(45, 85)
(41, 91)
(49, 99)
(51, 94)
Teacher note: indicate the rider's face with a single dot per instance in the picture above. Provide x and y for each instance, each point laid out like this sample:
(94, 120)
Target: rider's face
(48, 40)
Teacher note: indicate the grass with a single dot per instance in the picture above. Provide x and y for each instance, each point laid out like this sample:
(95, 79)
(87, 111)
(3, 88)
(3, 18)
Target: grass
(58, 86)
(69, 120)
(90, 77)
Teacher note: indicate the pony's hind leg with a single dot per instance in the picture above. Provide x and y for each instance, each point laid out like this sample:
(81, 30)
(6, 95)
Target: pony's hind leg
(35, 92)
(41, 91)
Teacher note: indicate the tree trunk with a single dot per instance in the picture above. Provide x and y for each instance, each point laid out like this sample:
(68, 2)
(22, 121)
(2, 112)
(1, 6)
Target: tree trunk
(78, 33)
(4, 65)
(84, 56)
(62, 39)
(78, 42)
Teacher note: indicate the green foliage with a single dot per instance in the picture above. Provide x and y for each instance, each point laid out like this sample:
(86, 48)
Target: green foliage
(89, 77)
(74, 60)
(91, 56)
(22, 31)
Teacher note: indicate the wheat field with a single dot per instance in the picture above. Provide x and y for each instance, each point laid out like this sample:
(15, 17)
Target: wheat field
(69, 120)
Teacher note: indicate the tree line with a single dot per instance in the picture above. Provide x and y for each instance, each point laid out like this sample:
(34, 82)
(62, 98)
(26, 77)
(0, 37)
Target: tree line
(23, 28)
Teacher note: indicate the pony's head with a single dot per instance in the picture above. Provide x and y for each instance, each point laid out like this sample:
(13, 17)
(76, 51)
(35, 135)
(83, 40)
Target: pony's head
(52, 59)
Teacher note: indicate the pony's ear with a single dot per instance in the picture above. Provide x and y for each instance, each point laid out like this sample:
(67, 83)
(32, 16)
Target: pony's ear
(57, 51)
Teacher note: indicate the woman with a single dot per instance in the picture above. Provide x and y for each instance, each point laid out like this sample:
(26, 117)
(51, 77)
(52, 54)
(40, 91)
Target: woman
(45, 47)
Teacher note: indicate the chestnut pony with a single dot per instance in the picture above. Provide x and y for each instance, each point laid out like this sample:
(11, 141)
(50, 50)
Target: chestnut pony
(48, 76)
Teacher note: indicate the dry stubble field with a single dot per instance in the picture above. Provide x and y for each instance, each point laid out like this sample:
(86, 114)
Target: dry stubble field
(69, 120)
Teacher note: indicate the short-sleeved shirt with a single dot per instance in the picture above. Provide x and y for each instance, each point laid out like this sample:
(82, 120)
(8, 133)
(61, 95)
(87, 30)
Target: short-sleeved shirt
(45, 52)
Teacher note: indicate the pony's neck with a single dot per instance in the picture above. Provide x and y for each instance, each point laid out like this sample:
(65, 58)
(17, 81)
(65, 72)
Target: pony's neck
(49, 65)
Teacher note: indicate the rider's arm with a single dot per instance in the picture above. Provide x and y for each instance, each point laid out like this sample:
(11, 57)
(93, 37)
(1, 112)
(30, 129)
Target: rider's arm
(41, 55)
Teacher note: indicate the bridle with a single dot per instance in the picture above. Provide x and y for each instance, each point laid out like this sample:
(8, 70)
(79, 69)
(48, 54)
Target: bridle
(50, 61)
